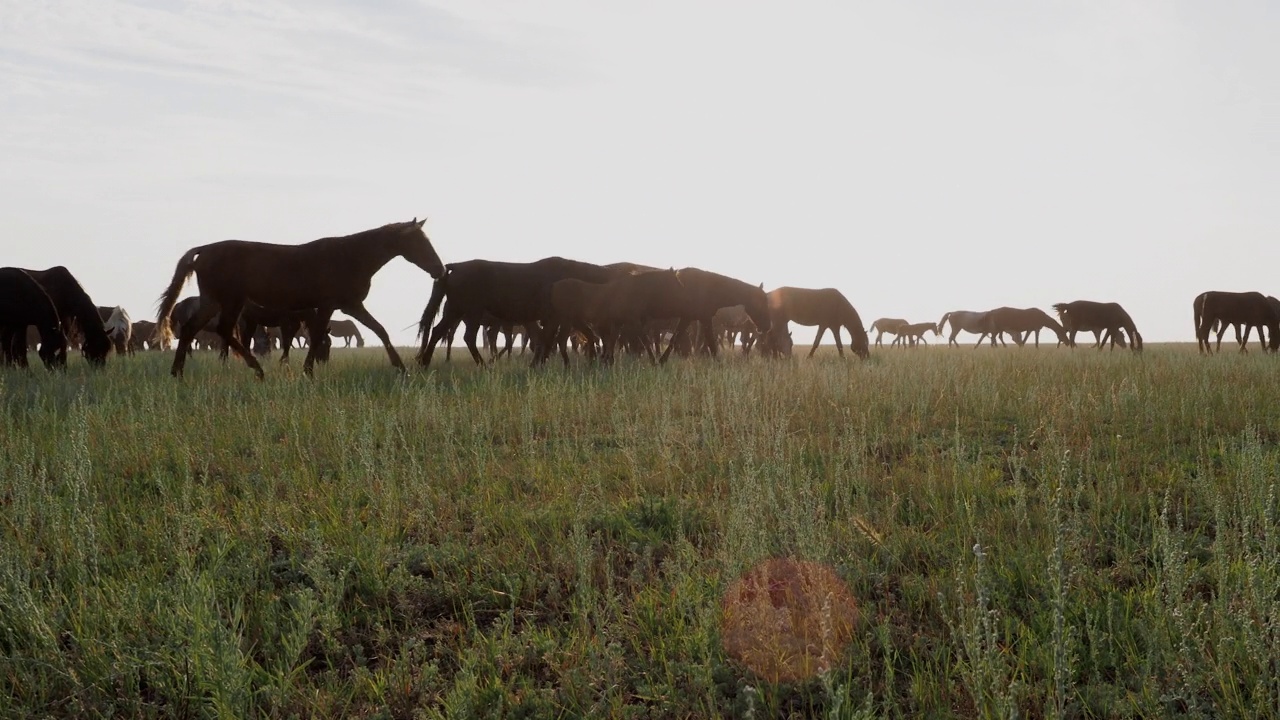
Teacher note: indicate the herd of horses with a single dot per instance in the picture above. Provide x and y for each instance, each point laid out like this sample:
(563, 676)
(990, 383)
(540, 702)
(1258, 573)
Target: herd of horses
(255, 294)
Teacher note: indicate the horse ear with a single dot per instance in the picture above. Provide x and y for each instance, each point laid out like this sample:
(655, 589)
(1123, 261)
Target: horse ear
(761, 286)
(421, 222)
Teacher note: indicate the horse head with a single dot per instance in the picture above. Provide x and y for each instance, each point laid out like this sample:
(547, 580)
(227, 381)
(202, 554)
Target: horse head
(757, 307)
(416, 248)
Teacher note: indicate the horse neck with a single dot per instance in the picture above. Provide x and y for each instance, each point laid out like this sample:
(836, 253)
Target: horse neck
(372, 253)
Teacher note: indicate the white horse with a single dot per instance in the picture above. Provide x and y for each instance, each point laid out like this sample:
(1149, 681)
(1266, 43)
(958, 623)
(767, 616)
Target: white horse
(968, 321)
(119, 330)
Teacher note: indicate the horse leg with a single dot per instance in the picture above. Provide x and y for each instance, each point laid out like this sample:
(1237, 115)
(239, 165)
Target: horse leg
(680, 328)
(835, 332)
(359, 313)
(187, 333)
(227, 323)
(314, 325)
(818, 339)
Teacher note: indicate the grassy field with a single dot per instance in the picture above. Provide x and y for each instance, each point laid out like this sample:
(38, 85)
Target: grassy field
(1041, 533)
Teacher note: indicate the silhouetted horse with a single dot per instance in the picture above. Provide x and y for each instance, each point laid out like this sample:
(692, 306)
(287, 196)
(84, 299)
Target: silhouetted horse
(509, 292)
(1020, 323)
(915, 332)
(1219, 327)
(287, 325)
(704, 294)
(1100, 318)
(78, 313)
(826, 308)
(893, 326)
(347, 330)
(968, 321)
(1250, 309)
(608, 309)
(142, 336)
(118, 326)
(734, 322)
(25, 303)
(332, 273)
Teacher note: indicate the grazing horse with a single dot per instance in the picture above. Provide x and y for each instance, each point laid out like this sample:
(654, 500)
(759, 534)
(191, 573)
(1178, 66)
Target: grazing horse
(1249, 309)
(509, 292)
(1220, 327)
(76, 310)
(915, 332)
(967, 320)
(1020, 323)
(142, 336)
(347, 330)
(332, 273)
(118, 326)
(628, 302)
(1102, 319)
(24, 303)
(825, 308)
(734, 322)
(893, 326)
(705, 293)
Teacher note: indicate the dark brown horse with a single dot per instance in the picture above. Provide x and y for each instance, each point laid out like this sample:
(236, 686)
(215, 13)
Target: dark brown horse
(287, 324)
(505, 291)
(25, 303)
(78, 313)
(1250, 309)
(827, 308)
(332, 273)
(142, 336)
(1102, 319)
(703, 295)
(1020, 323)
(347, 330)
(625, 303)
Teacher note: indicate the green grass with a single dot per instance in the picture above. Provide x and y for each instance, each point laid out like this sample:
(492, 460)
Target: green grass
(1046, 533)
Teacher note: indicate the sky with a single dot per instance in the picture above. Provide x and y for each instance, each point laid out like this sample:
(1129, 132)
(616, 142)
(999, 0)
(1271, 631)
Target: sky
(921, 157)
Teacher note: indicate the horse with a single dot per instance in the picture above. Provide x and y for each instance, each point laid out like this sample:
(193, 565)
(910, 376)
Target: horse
(510, 332)
(915, 332)
(1020, 323)
(825, 308)
(507, 291)
(25, 303)
(734, 322)
(967, 320)
(118, 326)
(142, 336)
(321, 276)
(286, 325)
(1250, 309)
(1102, 319)
(1220, 327)
(609, 308)
(76, 310)
(893, 326)
(704, 293)
(347, 330)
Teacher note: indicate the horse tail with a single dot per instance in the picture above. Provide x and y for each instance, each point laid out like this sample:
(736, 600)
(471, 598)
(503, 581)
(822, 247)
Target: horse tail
(1197, 309)
(186, 266)
(943, 323)
(1061, 309)
(438, 292)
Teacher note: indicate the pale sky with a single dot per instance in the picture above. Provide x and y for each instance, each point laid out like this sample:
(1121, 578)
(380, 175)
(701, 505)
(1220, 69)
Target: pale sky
(919, 156)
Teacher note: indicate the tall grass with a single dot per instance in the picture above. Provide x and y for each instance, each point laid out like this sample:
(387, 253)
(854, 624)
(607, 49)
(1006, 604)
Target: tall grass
(1027, 533)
